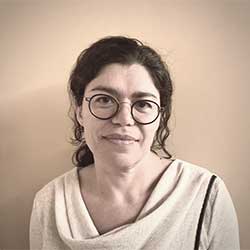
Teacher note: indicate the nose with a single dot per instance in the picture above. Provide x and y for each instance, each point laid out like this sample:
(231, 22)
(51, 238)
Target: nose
(124, 116)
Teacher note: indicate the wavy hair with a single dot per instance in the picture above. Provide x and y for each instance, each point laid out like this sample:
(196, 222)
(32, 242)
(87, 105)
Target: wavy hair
(125, 51)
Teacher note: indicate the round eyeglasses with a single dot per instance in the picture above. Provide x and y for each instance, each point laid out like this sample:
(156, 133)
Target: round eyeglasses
(105, 107)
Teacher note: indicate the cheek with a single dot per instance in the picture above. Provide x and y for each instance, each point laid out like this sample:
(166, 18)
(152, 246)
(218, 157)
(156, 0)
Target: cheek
(92, 130)
(149, 132)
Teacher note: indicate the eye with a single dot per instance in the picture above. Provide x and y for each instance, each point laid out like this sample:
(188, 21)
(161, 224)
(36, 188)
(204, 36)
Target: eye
(143, 105)
(103, 101)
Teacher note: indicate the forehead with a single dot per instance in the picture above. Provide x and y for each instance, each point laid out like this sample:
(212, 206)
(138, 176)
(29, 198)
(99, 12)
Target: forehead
(124, 79)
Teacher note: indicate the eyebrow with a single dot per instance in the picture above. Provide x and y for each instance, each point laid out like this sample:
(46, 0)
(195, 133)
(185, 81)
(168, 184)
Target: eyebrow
(112, 91)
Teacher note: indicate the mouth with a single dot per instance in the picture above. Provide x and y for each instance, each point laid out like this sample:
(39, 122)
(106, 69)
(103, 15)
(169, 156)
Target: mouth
(119, 139)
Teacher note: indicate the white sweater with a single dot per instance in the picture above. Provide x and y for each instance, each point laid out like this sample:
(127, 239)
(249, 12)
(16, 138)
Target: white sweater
(60, 219)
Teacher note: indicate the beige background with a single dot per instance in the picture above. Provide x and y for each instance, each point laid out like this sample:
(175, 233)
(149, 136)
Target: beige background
(207, 46)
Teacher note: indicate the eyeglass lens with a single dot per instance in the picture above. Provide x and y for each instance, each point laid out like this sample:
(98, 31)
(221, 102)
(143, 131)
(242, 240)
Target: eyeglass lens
(105, 107)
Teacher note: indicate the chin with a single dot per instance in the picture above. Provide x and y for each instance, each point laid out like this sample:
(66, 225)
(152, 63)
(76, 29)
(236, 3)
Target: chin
(125, 160)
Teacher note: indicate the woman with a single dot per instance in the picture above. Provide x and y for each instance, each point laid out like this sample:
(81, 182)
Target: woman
(126, 192)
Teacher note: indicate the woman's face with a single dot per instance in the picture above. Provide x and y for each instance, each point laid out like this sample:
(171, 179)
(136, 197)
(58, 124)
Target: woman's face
(119, 139)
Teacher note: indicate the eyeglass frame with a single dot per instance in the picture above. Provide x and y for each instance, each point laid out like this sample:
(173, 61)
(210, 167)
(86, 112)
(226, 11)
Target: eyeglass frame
(88, 99)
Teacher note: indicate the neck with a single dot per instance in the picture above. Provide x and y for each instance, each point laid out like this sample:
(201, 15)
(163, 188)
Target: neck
(127, 184)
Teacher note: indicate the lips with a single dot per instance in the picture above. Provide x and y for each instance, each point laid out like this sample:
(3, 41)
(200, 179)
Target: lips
(120, 137)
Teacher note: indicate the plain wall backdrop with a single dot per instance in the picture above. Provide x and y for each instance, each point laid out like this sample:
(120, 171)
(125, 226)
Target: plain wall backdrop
(207, 47)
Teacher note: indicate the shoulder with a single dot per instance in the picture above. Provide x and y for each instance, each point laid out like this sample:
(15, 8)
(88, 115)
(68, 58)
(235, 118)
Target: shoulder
(191, 171)
(196, 176)
(195, 173)
(219, 198)
(46, 195)
(191, 168)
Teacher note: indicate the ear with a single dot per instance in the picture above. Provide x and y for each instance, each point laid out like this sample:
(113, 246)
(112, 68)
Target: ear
(79, 116)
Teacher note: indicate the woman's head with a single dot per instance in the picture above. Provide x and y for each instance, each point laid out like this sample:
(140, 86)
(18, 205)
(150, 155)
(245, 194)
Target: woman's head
(122, 51)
